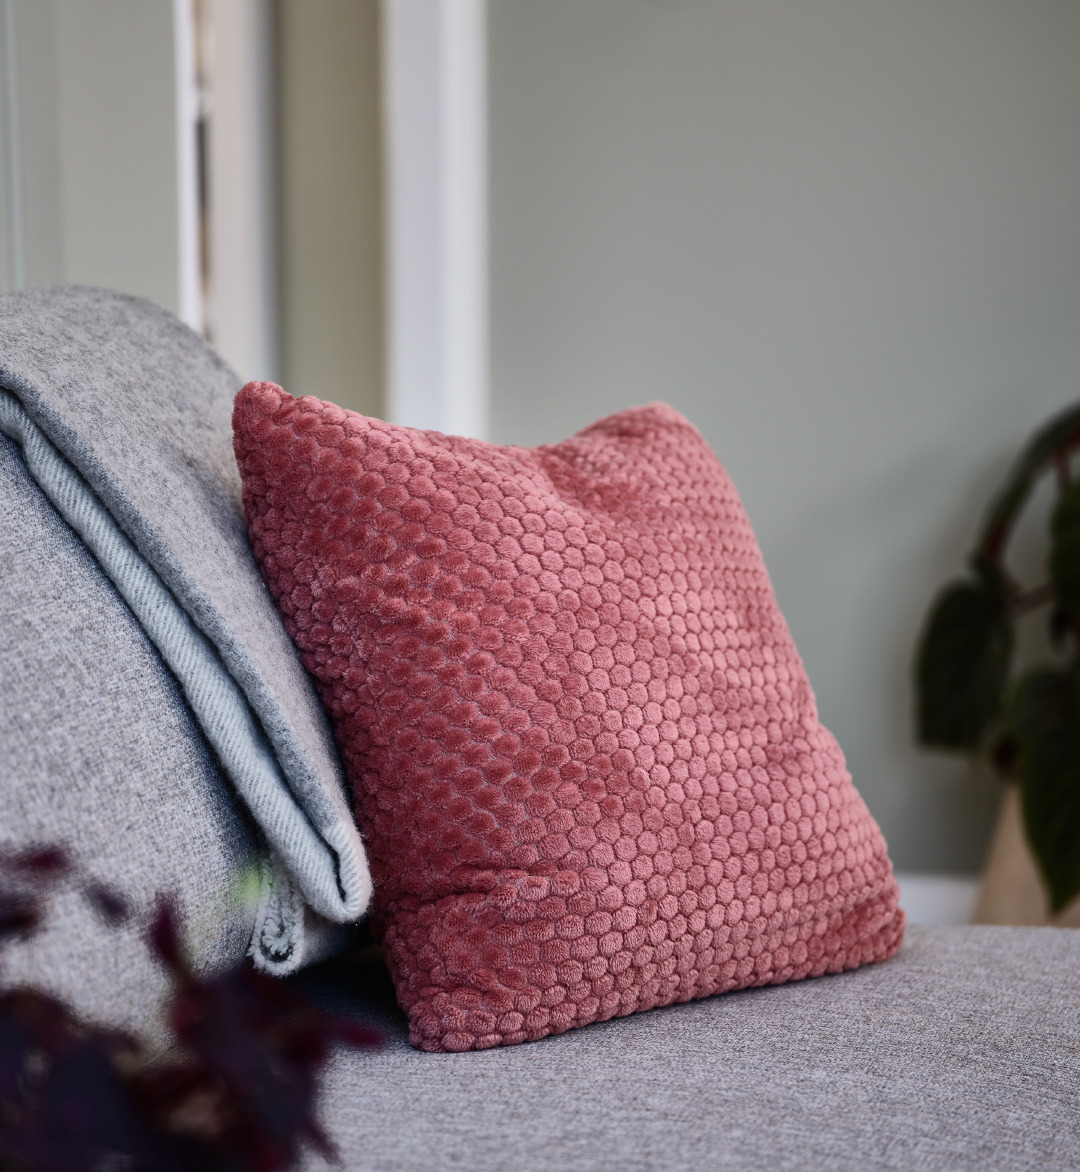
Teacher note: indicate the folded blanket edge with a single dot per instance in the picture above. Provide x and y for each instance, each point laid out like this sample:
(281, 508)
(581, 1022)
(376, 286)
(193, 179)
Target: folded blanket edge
(300, 859)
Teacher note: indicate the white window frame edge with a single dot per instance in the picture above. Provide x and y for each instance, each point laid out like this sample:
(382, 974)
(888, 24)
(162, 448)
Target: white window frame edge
(434, 67)
(241, 295)
(13, 227)
(189, 275)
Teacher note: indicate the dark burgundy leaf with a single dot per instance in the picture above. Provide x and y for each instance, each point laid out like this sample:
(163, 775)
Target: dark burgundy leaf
(19, 915)
(240, 1096)
(51, 861)
(165, 936)
(111, 907)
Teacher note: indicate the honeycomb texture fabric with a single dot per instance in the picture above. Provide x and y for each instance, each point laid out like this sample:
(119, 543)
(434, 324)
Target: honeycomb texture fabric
(586, 759)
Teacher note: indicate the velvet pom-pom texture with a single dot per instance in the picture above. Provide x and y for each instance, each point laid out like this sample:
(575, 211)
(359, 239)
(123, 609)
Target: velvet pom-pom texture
(586, 760)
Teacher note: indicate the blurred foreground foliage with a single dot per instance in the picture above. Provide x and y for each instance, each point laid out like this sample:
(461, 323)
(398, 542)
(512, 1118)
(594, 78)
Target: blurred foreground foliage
(236, 1092)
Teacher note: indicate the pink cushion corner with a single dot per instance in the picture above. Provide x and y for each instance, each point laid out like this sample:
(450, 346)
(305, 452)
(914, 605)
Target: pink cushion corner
(587, 762)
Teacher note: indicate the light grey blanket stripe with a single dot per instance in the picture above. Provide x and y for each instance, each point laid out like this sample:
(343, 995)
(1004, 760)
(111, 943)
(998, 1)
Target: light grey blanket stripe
(217, 702)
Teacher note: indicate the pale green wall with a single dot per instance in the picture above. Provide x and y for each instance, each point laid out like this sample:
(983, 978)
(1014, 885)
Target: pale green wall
(331, 201)
(98, 135)
(844, 238)
(97, 128)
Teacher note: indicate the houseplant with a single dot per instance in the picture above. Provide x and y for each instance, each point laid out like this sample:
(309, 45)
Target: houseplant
(971, 698)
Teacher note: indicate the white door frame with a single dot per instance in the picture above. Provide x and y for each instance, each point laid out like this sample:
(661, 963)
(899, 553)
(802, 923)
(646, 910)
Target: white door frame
(434, 56)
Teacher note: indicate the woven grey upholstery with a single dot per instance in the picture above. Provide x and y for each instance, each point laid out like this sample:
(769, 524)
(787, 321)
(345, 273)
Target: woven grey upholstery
(98, 752)
(961, 1053)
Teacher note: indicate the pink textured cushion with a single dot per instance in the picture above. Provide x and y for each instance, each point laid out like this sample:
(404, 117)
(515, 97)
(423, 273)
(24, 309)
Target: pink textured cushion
(587, 762)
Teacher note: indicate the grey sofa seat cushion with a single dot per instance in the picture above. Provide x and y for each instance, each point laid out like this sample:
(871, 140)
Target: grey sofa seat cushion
(124, 417)
(963, 1052)
(98, 752)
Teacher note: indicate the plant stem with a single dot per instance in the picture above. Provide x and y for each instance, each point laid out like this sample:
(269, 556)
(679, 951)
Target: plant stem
(1025, 601)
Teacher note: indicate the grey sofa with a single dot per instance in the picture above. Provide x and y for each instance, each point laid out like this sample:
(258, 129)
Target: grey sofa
(962, 1052)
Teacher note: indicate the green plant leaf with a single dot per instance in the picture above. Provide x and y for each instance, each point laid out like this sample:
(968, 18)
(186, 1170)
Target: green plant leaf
(1059, 435)
(1065, 549)
(963, 663)
(1045, 719)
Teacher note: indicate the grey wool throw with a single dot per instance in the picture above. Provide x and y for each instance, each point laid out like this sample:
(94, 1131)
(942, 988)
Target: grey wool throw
(123, 417)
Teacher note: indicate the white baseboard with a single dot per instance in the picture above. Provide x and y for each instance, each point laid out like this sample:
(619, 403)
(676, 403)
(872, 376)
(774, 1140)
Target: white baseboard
(938, 899)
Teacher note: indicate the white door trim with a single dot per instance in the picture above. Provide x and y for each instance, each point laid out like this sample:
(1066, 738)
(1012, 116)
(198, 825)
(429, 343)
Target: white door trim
(435, 118)
(189, 269)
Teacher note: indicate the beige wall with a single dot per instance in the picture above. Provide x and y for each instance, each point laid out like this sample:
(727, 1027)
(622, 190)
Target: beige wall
(844, 238)
(330, 201)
